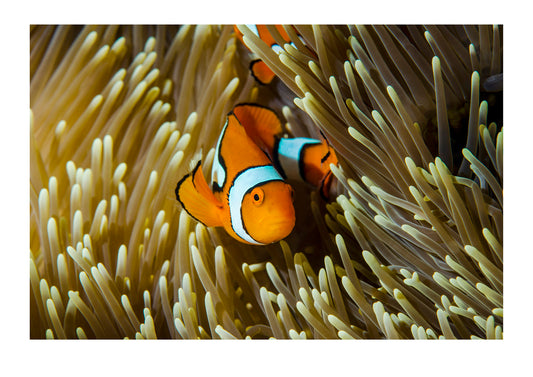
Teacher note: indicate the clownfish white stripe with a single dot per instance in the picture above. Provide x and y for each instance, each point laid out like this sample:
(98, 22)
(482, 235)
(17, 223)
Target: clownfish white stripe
(242, 184)
(218, 172)
(289, 155)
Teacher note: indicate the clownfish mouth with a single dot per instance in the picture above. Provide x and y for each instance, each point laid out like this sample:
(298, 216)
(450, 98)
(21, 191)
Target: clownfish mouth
(276, 231)
(286, 225)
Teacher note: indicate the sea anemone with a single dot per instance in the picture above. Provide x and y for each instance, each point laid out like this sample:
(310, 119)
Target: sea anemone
(409, 247)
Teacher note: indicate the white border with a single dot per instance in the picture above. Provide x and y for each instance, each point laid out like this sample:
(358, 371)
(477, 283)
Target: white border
(374, 358)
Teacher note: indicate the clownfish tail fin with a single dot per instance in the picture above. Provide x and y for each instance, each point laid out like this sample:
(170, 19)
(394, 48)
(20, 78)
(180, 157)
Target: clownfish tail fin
(261, 124)
(261, 72)
(195, 196)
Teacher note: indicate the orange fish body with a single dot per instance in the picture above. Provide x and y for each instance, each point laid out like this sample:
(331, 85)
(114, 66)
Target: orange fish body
(296, 158)
(249, 198)
(258, 68)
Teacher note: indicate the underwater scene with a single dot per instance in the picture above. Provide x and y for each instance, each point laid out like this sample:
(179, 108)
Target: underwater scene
(266, 181)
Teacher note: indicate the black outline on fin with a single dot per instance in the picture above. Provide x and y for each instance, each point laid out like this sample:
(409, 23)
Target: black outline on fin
(177, 190)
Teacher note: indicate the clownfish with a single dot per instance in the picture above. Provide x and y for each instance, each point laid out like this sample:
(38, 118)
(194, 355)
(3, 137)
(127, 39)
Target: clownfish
(258, 68)
(249, 198)
(298, 158)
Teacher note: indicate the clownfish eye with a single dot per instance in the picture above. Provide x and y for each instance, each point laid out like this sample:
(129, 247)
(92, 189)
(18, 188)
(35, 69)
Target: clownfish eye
(258, 195)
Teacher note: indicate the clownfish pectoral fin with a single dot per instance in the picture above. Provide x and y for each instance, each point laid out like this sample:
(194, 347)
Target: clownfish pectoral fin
(261, 72)
(261, 124)
(197, 199)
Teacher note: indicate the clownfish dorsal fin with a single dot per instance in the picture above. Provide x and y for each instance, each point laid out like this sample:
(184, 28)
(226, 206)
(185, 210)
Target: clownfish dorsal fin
(261, 72)
(261, 124)
(197, 199)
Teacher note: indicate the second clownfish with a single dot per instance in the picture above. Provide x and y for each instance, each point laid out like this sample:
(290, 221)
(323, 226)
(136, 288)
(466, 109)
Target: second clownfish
(258, 68)
(298, 158)
(249, 197)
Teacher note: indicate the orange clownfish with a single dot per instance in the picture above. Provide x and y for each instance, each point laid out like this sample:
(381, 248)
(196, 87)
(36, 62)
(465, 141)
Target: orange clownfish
(298, 158)
(249, 198)
(258, 68)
